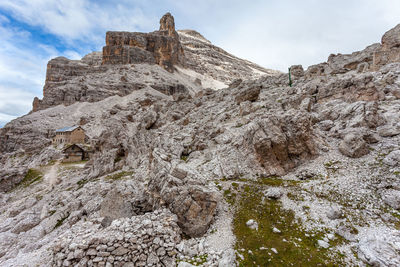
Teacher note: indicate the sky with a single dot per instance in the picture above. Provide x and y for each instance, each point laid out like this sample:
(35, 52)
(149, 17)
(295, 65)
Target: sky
(273, 34)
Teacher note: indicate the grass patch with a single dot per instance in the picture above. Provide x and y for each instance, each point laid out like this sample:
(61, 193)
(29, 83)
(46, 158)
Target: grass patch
(218, 185)
(294, 246)
(74, 163)
(81, 183)
(332, 165)
(230, 197)
(61, 221)
(118, 175)
(267, 181)
(32, 176)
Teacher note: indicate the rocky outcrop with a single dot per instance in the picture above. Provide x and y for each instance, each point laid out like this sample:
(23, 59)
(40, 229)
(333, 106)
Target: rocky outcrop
(391, 39)
(370, 59)
(160, 47)
(282, 142)
(390, 51)
(360, 61)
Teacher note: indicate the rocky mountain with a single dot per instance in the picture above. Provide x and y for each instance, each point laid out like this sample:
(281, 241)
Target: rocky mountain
(120, 69)
(181, 174)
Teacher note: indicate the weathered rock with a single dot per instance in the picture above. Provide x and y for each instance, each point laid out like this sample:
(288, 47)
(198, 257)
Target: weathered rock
(297, 71)
(389, 130)
(393, 158)
(248, 94)
(281, 143)
(160, 47)
(252, 224)
(392, 198)
(28, 222)
(353, 146)
(273, 193)
(391, 39)
(334, 213)
(115, 206)
(390, 51)
(195, 209)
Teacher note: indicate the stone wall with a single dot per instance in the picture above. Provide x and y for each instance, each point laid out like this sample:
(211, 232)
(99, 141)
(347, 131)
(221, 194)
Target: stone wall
(146, 240)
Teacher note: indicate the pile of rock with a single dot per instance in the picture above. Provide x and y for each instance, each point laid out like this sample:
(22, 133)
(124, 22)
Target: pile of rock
(146, 240)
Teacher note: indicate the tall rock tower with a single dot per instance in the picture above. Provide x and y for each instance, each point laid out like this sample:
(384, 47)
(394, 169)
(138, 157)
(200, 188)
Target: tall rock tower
(159, 47)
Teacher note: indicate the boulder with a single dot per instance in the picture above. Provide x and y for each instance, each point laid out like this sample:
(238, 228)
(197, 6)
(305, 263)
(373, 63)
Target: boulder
(273, 193)
(195, 208)
(115, 206)
(392, 199)
(248, 94)
(353, 146)
(297, 71)
(252, 224)
(334, 213)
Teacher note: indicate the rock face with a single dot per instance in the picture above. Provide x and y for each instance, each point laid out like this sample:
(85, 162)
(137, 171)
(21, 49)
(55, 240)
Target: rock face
(390, 51)
(160, 47)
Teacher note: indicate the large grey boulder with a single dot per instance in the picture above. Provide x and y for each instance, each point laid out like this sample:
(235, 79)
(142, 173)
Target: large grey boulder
(353, 146)
(393, 158)
(195, 208)
(392, 198)
(248, 94)
(115, 205)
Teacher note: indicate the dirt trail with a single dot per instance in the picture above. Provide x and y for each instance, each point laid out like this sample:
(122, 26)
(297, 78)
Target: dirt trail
(50, 176)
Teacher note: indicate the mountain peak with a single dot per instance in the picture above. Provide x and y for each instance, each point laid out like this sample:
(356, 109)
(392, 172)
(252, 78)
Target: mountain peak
(167, 23)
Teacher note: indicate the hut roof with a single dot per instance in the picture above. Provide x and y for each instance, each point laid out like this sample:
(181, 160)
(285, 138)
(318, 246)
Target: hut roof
(67, 129)
(65, 149)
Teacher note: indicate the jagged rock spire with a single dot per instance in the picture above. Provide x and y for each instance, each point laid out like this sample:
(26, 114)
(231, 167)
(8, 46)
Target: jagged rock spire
(167, 23)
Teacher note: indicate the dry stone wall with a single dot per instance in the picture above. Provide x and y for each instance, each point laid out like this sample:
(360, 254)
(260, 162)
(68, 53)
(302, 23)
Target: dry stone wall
(146, 240)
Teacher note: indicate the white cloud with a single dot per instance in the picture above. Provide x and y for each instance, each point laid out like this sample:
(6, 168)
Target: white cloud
(77, 19)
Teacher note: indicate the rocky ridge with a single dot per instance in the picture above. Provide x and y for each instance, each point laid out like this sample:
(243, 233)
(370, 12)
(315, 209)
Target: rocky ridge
(324, 150)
